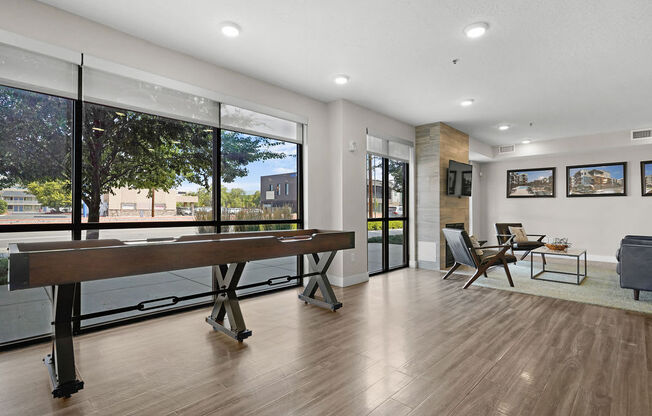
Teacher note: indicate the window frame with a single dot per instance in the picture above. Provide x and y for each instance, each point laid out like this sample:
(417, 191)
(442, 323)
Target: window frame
(386, 218)
(77, 226)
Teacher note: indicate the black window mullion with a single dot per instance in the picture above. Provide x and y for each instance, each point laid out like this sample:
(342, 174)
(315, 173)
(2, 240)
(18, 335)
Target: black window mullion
(76, 183)
(385, 209)
(217, 182)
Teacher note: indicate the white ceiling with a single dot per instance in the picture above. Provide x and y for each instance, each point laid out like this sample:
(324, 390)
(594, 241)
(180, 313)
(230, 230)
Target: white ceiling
(570, 67)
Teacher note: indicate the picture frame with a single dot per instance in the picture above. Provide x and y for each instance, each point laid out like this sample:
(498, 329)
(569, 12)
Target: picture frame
(467, 181)
(531, 183)
(646, 178)
(596, 180)
(452, 181)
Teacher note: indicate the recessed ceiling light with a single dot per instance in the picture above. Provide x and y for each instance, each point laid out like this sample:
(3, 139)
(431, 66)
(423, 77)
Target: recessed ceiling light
(341, 79)
(526, 141)
(476, 30)
(467, 103)
(503, 127)
(230, 30)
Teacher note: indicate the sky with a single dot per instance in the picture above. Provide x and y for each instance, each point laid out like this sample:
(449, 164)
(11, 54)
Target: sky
(251, 182)
(648, 169)
(537, 174)
(616, 171)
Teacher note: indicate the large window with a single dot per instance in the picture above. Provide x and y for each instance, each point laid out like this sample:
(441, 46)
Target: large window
(259, 178)
(387, 221)
(143, 167)
(133, 160)
(35, 157)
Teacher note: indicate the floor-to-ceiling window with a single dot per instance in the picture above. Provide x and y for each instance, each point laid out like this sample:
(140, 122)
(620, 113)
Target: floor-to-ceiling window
(132, 160)
(387, 219)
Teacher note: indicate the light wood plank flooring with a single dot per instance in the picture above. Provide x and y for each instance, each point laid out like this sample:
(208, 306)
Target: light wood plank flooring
(406, 343)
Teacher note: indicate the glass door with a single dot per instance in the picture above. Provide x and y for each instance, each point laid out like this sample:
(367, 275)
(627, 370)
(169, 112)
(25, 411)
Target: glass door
(387, 214)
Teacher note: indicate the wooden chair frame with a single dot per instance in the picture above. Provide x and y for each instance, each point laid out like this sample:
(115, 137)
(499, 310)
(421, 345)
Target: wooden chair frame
(481, 268)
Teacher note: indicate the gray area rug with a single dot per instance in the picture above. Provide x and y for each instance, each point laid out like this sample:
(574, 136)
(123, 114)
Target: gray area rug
(601, 287)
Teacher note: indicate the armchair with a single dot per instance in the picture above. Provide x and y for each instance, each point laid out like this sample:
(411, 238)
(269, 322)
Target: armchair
(635, 263)
(503, 235)
(465, 254)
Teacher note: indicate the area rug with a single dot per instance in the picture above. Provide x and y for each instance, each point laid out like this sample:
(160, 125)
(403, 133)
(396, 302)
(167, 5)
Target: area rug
(601, 287)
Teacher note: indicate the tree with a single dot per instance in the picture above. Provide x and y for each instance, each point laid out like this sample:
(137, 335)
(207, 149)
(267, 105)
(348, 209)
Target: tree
(120, 148)
(54, 194)
(3, 206)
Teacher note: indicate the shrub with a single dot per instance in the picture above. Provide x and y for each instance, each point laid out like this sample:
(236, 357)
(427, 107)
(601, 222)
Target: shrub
(3, 206)
(4, 269)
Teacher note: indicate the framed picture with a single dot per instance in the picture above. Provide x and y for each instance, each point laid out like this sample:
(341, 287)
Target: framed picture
(646, 178)
(606, 179)
(452, 180)
(531, 183)
(467, 178)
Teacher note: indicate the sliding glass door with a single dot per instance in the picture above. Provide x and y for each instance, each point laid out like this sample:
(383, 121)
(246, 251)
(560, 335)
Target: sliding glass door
(387, 218)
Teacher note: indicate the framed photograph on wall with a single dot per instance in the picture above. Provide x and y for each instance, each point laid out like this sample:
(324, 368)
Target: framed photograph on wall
(531, 183)
(605, 179)
(646, 178)
(452, 181)
(467, 178)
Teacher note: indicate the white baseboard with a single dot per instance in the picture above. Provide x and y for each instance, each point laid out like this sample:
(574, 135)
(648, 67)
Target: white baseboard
(413, 264)
(340, 281)
(603, 259)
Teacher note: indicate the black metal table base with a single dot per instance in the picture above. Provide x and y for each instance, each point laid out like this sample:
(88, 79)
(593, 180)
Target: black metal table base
(580, 276)
(61, 390)
(226, 316)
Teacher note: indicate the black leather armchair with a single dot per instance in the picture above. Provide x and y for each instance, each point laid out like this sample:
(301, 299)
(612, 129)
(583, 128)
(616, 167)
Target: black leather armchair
(465, 254)
(635, 263)
(503, 234)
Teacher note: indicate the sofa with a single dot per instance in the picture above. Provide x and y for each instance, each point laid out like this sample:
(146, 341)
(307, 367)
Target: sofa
(635, 263)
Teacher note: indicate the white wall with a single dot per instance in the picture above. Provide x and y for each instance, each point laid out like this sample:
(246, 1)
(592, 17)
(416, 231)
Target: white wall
(330, 171)
(595, 223)
(350, 123)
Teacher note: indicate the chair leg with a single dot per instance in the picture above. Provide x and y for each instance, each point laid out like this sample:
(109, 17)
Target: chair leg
(485, 274)
(636, 293)
(477, 274)
(509, 275)
(452, 269)
(525, 255)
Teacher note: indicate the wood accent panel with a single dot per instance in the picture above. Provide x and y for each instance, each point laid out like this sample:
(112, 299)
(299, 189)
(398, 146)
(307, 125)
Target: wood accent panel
(453, 145)
(423, 347)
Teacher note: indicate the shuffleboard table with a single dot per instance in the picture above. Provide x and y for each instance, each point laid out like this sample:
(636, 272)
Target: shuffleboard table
(61, 265)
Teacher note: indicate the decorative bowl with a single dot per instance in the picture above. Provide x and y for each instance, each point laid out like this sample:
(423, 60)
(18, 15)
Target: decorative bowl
(557, 247)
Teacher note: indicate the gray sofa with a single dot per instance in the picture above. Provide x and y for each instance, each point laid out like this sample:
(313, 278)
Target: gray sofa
(635, 263)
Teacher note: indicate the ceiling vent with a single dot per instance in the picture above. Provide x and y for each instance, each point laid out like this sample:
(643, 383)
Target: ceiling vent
(506, 149)
(642, 135)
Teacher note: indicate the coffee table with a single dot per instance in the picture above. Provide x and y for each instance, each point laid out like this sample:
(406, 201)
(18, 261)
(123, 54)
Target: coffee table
(576, 253)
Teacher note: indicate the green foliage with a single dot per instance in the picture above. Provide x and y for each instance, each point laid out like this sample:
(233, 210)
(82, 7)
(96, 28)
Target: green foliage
(238, 198)
(35, 137)
(3, 206)
(54, 194)
(377, 225)
(4, 271)
(120, 148)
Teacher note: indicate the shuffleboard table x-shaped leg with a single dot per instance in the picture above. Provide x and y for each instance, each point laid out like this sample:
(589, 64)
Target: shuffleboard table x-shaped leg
(320, 281)
(226, 304)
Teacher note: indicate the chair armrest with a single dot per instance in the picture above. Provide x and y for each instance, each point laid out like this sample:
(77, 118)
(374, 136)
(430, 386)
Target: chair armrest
(500, 246)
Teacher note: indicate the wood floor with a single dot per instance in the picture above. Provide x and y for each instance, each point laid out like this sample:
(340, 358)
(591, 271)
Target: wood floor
(406, 343)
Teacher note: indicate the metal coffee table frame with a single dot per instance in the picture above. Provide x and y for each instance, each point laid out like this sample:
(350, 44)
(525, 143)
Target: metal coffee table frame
(544, 251)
